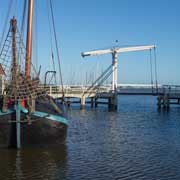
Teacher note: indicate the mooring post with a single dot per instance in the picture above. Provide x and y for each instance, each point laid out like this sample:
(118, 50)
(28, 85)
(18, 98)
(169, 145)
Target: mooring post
(96, 103)
(18, 125)
(159, 99)
(109, 103)
(68, 101)
(178, 101)
(92, 102)
(116, 100)
(83, 101)
(112, 102)
(167, 101)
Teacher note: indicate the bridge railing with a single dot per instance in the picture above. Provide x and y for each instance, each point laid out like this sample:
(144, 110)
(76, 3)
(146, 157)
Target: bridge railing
(171, 89)
(79, 90)
(57, 90)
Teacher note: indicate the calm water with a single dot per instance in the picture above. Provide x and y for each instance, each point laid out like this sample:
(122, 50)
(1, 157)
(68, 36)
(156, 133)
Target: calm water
(137, 142)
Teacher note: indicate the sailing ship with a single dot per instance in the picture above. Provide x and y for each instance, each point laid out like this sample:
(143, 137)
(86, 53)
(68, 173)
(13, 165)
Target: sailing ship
(28, 115)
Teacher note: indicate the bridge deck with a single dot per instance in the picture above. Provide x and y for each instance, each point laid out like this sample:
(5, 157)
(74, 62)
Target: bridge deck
(166, 95)
(79, 91)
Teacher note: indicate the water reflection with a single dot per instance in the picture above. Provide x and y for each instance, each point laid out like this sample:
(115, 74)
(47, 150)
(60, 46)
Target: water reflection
(137, 142)
(18, 164)
(33, 163)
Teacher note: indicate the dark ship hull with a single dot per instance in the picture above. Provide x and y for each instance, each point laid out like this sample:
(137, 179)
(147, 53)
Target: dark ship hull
(44, 129)
(25, 120)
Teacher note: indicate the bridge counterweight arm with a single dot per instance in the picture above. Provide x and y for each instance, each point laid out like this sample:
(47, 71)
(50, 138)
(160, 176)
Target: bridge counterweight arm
(134, 48)
(117, 50)
(97, 52)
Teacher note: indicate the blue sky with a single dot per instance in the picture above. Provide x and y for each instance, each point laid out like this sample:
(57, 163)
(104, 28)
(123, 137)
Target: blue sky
(84, 25)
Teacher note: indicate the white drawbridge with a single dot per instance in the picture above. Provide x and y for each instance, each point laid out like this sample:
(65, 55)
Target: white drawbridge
(115, 51)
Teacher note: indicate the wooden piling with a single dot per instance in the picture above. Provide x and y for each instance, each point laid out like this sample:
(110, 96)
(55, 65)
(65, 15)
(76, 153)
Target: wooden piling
(96, 103)
(92, 102)
(159, 102)
(83, 101)
(112, 102)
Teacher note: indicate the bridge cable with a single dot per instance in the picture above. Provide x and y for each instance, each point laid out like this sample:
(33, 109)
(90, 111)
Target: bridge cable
(155, 67)
(151, 70)
(21, 32)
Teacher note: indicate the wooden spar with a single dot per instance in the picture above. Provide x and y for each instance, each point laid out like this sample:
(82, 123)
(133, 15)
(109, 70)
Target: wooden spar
(29, 39)
(14, 82)
(14, 63)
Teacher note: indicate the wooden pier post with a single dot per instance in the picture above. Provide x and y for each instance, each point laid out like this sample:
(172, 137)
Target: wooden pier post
(159, 102)
(112, 102)
(92, 102)
(163, 101)
(109, 103)
(178, 101)
(167, 100)
(83, 101)
(96, 103)
(68, 102)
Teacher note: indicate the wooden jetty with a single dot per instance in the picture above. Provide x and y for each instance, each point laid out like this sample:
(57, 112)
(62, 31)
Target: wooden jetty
(169, 95)
(166, 95)
(85, 95)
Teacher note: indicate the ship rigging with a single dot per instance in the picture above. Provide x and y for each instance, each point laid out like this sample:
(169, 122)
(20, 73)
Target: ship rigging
(28, 115)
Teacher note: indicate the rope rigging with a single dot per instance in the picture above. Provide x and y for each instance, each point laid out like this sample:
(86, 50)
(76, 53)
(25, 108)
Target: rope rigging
(6, 22)
(57, 49)
(13, 58)
(23, 17)
(14, 48)
(51, 40)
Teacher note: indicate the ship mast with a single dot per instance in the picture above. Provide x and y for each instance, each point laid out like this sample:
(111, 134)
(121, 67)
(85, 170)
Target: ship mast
(14, 63)
(29, 39)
